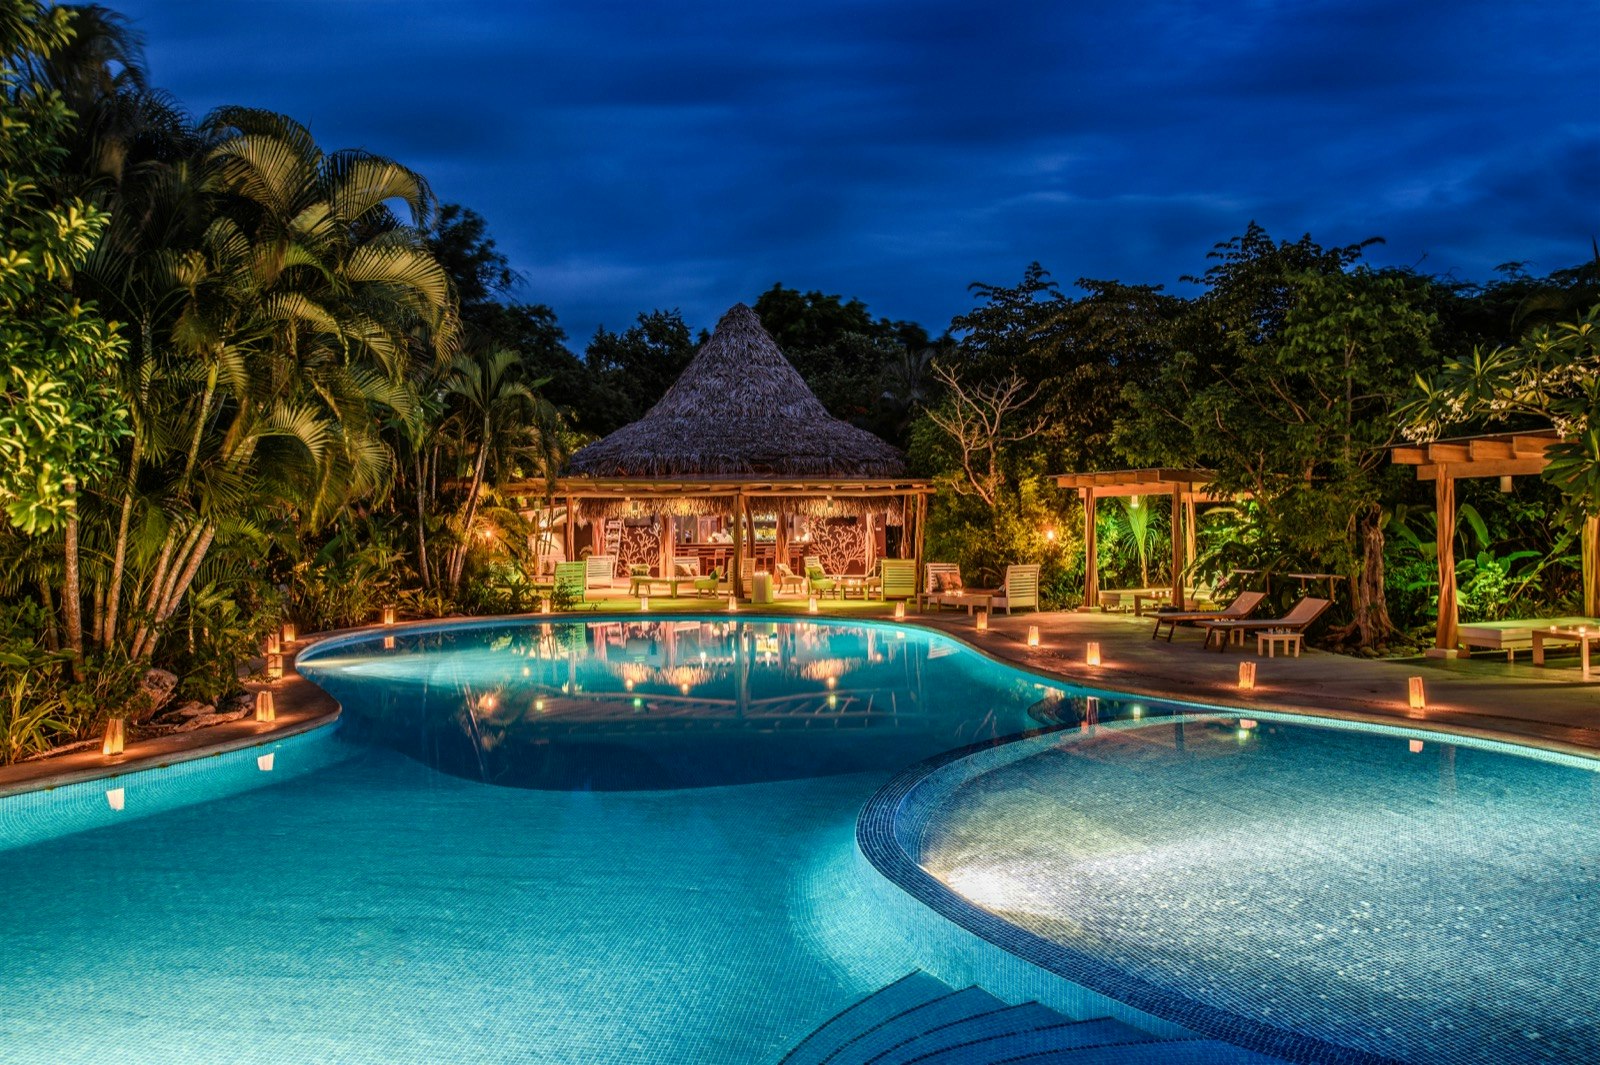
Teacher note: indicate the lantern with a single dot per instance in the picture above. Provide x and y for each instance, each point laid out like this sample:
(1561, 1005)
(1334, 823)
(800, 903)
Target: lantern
(388, 615)
(115, 734)
(1247, 675)
(1091, 653)
(900, 611)
(1033, 636)
(1417, 698)
(983, 621)
(266, 708)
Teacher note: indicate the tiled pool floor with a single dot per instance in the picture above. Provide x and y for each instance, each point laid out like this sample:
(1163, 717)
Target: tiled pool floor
(1435, 905)
(378, 911)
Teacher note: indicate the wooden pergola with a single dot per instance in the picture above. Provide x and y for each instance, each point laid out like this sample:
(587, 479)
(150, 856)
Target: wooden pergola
(1503, 455)
(1184, 487)
(739, 497)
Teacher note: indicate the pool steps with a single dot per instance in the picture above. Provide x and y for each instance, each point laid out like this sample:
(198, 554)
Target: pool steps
(920, 1020)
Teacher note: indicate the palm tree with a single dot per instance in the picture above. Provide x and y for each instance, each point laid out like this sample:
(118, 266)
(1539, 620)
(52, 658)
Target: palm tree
(1133, 530)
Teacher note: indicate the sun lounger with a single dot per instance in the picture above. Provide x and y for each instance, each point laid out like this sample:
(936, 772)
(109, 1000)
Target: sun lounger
(1513, 635)
(1298, 619)
(1237, 610)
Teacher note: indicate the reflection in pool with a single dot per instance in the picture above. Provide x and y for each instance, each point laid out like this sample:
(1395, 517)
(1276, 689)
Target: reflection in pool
(630, 705)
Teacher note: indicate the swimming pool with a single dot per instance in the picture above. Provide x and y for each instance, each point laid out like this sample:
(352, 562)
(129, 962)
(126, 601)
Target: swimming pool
(619, 840)
(1376, 890)
(420, 893)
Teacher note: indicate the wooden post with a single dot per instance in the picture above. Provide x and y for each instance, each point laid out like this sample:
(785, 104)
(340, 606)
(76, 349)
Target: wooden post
(1591, 566)
(572, 527)
(669, 545)
(780, 546)
(1179, 540)
(1191, 547)
(734, 578)
(1091, 553)
(870, 555)
(1444, 488)
(922, 516)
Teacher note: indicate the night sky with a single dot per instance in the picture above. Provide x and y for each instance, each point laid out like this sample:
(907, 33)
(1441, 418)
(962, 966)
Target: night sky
(689, 155)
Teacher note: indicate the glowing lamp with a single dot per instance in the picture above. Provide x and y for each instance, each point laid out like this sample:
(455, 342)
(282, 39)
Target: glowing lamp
(833, 682)
(1415, 746)
(1418, 700)
(1091, 654)
(486, 702)
(1247, 675)
(1247, 723)
(264, 762)
(1050, 536)
(627, 685)
(1033, 636)
(544, 605)
(684, 688)
(538, 706)
(288, 632)
(983, 621)
(274, 667)
(638, 703)
(388, 643)
(112, 741)
(811, 605)
(644, 604)
(273, 644)
(733, 605)
(115, 798)
(900, 611)
(388, 615)
(266, 707)
(833, 702)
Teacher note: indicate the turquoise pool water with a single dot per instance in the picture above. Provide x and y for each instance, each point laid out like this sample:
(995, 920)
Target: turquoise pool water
(1381, 892)
(479, 866)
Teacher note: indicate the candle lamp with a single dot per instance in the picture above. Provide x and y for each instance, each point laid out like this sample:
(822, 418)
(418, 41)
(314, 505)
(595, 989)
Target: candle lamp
(115, 735)
(1416, 697)
(266, 708)
(1091, 653)
(1247, 675)
(1033, 636)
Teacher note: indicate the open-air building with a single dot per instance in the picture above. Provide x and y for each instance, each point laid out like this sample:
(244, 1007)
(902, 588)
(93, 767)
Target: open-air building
(738, 468)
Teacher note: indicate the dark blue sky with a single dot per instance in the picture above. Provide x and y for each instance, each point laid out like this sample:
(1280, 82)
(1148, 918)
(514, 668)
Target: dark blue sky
(688, 155)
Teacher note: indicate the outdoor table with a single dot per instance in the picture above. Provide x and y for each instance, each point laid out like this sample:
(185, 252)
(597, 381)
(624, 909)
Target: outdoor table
(1269, 641)
(648, 583)
(1140, 598)
(1582, 637)
(971, 598)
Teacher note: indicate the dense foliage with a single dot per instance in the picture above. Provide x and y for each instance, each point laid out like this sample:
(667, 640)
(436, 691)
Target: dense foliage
(247, 375)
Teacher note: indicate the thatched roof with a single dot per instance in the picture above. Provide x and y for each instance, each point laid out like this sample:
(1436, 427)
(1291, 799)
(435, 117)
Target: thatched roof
(739, 410)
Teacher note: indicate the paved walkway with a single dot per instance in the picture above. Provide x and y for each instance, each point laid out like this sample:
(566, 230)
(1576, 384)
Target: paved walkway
(1483, 696)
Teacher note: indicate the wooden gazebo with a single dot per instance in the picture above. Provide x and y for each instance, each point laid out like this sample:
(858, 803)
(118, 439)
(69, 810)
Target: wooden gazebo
(739, 438)
(1502, 455)
(1185, 488)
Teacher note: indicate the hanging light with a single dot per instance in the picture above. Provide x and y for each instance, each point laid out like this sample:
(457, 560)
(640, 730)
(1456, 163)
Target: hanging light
(1033, 636)
(1505, 483)
(983, 621)
(112, 742)
(1417, 699)
(266, 708)
(1091, 652)
(1135, 503)
(1247, 675)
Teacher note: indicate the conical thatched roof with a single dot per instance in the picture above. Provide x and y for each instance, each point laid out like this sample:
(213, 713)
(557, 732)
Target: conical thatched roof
(739, 411)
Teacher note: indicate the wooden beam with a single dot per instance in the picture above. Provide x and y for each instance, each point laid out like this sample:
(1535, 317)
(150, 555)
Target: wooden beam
(1486, 468)
(1481, 450)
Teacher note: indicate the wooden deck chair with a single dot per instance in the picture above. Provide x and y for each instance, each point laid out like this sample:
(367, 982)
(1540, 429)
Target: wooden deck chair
(937, 574)
(1020, 588)
(572, 581)
(1238, 610)
(1297, 619)
(788, 578)
(817, 578)
(899, 576)
(600, 571)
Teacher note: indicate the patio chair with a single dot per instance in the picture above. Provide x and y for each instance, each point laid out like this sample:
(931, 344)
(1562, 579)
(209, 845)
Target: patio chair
(939, 584)
(787, 577)
(709, 585)
(1020, 588)
(638, 575)
(898, 577)
(1297, 619)
(571, 581)
(1238, 610)
(817, 578)
(601, 571)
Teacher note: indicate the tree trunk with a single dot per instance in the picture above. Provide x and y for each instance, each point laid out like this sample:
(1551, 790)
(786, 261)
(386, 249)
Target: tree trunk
(119, 556)
(52, 637)
(71, 591)
(458, 558)
(1367, 598)
(422, 525)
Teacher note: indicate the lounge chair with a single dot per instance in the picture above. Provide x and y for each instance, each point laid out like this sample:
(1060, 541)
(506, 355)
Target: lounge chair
(817, 578)
(571, 582)
(787, 577)
(1019, 588)
(1238, 610)
(1297, 619)
(600, 571)
(937, 589)
(710, 584)
(898, 577)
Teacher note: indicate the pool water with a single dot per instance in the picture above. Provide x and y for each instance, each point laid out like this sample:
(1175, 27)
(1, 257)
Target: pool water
(1423, 901)
(497, 856)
